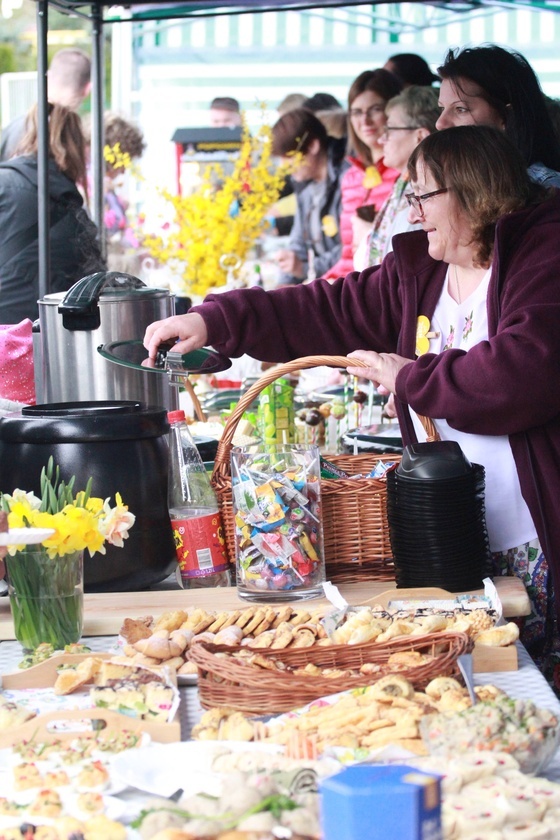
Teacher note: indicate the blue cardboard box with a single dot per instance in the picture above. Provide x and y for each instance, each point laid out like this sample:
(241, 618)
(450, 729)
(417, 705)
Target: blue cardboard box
(383, 802)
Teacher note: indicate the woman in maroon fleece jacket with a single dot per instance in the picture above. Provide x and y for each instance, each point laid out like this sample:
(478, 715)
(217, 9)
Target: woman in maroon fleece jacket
(485, 272)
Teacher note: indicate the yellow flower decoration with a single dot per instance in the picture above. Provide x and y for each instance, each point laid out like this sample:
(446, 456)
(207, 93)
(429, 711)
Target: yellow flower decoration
(329, 225)
(226, 214)
(423, 335)
(372, 178)
(79, 522)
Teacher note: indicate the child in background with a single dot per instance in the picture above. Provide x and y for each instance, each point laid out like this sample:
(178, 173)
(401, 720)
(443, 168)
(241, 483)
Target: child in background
(122, 243)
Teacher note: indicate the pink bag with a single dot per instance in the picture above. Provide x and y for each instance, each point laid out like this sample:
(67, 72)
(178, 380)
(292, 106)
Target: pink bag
(17, 381)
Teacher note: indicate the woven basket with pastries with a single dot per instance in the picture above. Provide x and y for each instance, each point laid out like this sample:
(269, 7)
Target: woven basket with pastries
(268, 681)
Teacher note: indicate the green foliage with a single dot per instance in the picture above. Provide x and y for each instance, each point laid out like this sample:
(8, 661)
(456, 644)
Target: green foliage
(7, 59)
(56, 494)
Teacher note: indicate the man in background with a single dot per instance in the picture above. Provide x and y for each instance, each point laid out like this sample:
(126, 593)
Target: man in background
(225, 112)
(68, 84)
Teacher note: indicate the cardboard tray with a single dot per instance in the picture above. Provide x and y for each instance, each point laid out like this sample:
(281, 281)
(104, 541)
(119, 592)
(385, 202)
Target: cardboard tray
(78, 722)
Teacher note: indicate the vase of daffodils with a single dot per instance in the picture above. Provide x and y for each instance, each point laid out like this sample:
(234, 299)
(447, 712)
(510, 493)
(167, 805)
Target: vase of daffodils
(45, 581)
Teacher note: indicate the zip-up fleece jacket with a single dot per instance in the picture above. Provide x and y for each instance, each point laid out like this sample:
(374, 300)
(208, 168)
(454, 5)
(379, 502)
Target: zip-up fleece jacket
(354, 195)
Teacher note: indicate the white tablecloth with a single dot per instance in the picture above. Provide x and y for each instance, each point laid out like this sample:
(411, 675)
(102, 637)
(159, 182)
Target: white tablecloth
(527, 683)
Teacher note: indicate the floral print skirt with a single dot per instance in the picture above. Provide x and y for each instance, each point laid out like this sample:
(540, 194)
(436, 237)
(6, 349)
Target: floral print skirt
(539, 630)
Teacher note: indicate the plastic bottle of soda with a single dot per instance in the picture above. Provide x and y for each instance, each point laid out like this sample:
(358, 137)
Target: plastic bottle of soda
(193, 509)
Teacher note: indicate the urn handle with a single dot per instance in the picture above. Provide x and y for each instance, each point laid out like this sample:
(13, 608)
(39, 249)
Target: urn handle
(80, 309)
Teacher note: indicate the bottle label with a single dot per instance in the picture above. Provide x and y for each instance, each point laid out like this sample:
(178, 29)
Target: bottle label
(200, 545)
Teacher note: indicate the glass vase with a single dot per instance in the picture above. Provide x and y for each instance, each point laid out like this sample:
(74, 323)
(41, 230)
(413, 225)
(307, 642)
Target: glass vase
(46, 597)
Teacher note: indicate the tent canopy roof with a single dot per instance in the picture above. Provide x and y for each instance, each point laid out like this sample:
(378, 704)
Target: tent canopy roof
(114, 12)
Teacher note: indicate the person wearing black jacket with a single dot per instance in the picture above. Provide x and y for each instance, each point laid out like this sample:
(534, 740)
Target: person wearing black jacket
(74, 247)
(315, 233)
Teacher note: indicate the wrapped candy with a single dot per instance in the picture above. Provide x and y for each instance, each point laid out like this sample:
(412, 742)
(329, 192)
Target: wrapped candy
(278, 532)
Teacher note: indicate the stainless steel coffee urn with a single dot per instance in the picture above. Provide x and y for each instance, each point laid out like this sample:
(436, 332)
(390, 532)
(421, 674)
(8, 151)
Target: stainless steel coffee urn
(98, 309)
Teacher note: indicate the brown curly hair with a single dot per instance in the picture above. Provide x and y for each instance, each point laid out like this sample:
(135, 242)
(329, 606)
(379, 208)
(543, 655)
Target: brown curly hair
(485, 173)
(129, 136)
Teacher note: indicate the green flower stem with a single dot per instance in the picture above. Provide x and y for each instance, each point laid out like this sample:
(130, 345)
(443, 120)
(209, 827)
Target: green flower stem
(46, 597)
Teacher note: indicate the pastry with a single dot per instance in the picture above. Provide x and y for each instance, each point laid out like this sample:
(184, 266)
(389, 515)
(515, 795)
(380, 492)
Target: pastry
(46, 832)
(12, 715)
(102, 828)
(439, 685)
(230, 635)
(118, 669)
(9, 808)
(407, 659)
(396, 629)
(283, 636)
(56, 778)
(159, 701)
(171, 620)
(47, 803)
(67, 827)
(392, 686)
(70, 679)
(27, 776)
(499, 636)
(90, 802)
(93, 775)
(133, 629)
(161, 646)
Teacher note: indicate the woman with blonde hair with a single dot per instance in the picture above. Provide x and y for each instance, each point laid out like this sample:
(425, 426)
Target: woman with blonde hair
(74, 248)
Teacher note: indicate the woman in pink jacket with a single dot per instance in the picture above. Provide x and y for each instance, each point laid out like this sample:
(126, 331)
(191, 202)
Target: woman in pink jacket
(368, 182)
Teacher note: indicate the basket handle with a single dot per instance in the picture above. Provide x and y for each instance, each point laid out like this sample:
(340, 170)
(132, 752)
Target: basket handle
(222, 462)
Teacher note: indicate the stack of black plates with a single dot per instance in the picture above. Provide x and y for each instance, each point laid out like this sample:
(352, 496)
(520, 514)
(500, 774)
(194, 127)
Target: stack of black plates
(435, 508)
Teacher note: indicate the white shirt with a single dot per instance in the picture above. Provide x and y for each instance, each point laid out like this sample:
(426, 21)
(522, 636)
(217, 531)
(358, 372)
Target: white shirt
(462, 326)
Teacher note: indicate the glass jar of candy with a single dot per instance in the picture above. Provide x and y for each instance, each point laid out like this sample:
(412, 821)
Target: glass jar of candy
(278, 529)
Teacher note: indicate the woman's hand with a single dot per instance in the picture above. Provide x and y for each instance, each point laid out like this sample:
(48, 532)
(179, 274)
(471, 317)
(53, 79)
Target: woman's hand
(360, 230)
(382, 368)
(290, 263)
(188, 330)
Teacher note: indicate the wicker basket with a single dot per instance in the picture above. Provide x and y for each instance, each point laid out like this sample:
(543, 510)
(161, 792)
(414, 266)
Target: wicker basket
(226, 681)
(356, 532)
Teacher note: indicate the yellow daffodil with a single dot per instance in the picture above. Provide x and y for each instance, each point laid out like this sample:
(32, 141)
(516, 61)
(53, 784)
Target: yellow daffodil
(79, 523)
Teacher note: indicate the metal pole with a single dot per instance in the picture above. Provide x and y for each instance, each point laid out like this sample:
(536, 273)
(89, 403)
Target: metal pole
(43, 208)
(97, 97)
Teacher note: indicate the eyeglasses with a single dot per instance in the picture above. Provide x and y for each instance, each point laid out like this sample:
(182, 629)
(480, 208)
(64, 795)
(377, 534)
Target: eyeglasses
(389, 128)
(415, 201)
(357, 113)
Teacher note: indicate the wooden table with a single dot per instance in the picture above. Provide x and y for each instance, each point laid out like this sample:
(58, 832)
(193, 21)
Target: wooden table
(104, 612)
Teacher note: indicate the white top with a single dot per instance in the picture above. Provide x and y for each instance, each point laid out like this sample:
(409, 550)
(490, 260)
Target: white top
(400, 224)
(461, 326)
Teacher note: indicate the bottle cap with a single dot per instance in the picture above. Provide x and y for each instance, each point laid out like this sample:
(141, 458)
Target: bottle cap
(175, 416)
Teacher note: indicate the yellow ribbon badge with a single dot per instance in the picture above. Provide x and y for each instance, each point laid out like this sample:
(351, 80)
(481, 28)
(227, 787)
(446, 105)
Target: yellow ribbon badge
(372, 178)
(423, 335)
(329, 225)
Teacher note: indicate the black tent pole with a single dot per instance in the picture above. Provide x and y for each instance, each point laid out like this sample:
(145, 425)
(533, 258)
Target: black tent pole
(43, 148)
(97, 98)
